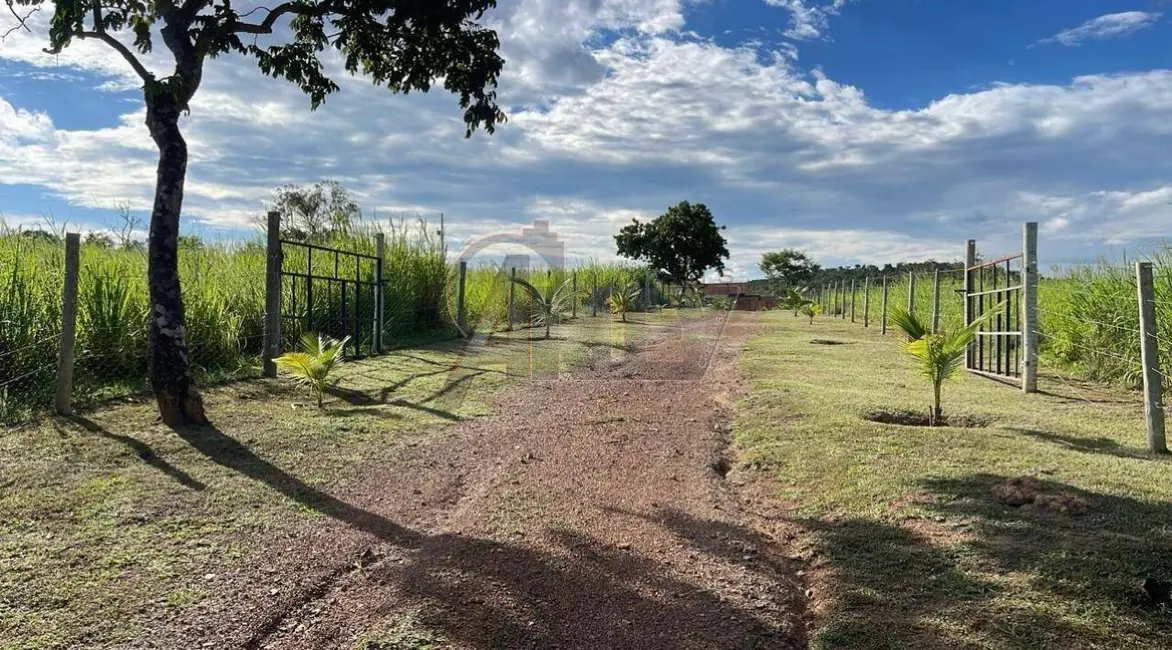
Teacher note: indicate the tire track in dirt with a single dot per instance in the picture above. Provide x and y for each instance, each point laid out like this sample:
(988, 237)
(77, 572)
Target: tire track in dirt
(588, 512)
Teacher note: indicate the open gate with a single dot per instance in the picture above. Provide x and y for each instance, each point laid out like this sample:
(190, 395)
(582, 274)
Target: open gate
(1001, 294)
(332, 292)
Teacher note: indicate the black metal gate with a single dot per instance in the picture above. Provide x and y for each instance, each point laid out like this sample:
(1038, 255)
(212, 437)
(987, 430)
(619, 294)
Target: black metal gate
(333, 292)
(997, 349)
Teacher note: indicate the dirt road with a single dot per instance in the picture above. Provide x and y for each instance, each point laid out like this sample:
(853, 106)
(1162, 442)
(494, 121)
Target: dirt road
(589, 511)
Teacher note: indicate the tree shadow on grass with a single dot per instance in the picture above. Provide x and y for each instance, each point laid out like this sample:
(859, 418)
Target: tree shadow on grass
(1087, 445)
(985, 574)
(140, 449)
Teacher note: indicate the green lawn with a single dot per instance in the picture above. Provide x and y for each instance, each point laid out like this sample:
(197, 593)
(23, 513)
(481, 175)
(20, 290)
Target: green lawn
(909, 546)
(110, 520)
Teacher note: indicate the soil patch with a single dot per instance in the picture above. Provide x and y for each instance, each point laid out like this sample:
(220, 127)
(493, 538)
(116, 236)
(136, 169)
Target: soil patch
(920, 419)
(1026, 491)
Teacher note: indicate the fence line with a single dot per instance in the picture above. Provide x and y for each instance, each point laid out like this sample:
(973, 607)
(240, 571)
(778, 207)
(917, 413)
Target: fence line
(1073, 322)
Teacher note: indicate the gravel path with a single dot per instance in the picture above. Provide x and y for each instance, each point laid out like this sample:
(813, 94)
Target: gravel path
(589, 511)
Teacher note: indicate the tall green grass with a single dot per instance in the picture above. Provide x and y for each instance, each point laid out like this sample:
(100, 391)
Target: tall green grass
(223, 290)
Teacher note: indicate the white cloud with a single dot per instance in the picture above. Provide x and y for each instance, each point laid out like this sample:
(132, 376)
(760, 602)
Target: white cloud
(808, 18)
(623, 127)
(1105, 26)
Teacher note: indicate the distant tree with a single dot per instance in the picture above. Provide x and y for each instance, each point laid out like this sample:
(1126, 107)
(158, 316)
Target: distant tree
(99, 239)
(40, 235)
(788, 268)
(190, 242)
(405, 46)
(681, 245)
(313, 212)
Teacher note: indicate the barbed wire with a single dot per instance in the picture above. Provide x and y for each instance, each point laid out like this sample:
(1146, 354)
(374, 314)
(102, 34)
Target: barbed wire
(1133, 362)
(51, 364)
(30, 346)
(1121, 328)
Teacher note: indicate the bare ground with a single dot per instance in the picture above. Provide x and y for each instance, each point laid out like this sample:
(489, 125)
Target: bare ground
(589, 511)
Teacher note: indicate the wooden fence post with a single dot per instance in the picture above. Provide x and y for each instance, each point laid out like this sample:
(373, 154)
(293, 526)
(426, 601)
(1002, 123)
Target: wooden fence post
(512, 288)
(883, 319)
(574, 295)
(273, 295)
(1029, 307)
(68, 325)
(461, 321)
(867, 301)
(594, 294)
(911, 292)
(936, 301)
(380, 311)
(970, 260)
(852, 300)
(1150, 358)
(842, 298)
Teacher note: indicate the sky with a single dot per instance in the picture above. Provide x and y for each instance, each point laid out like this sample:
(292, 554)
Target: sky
(860, 131)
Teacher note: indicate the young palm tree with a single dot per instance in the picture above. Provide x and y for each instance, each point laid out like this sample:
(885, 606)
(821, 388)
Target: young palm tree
(622, 299)
(796, 301)
(811, 309)
(312, 365)
(548, 305)
(940, 354)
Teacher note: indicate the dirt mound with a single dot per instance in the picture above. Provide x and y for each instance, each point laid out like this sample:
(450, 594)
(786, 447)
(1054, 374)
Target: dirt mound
(1023, 491)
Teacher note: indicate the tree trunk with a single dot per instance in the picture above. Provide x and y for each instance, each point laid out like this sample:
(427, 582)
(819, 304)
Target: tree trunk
(936, 413)
(170, 367)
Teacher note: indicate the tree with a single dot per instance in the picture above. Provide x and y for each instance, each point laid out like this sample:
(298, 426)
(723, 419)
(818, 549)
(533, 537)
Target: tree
(403, 45)
(310, 212)
(788, 268)
(680, 245)
(939, 354)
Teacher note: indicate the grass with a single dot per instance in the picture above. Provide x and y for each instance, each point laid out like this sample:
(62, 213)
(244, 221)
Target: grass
(908, 545)
(112, 521)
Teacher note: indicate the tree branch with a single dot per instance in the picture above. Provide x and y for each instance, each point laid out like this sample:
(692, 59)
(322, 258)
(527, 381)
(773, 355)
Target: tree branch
(20, 22)
(139, 68)
(266, 26)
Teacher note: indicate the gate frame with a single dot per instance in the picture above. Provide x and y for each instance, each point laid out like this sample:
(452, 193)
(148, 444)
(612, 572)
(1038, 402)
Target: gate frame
(275, 273)
(1026, 366)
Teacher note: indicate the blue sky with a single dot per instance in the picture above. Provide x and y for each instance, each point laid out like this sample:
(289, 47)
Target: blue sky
(859, 130)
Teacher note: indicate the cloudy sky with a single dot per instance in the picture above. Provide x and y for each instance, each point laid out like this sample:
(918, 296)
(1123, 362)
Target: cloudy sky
(860, 130)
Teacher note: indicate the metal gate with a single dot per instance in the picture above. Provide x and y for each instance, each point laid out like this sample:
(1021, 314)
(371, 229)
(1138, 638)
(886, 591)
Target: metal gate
(332, 292)
(996, 350)
(1001, 295)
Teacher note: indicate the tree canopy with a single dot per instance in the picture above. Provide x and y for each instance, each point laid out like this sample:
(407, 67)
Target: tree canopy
(680, 245)
(312, 212)
(788, 268)
(404, 45)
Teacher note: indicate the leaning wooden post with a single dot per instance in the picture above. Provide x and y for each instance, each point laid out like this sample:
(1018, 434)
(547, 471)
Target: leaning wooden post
(883, 318)
(461, 320)
(1029, 307)
(970, 260)
(911, 292)
(867, 301)
(68, 325)
(852, 300)
(273, 295)
(936, 301)
(380, 311)
(1150, 358)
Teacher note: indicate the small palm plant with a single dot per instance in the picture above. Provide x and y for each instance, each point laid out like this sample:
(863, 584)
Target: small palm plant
(811, 309)
(313, 363)
(796, 301)
(549, 305)
(940, 354)
(622, 299)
